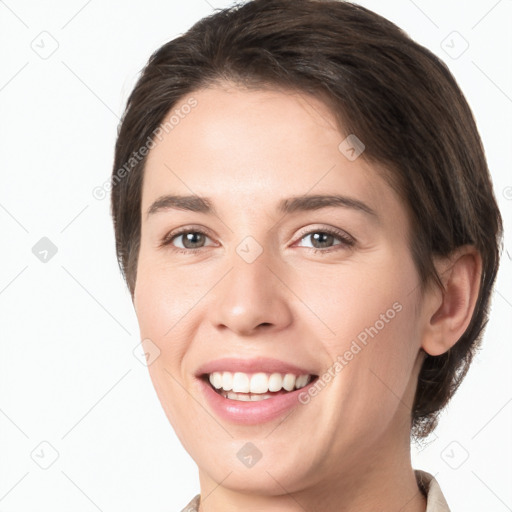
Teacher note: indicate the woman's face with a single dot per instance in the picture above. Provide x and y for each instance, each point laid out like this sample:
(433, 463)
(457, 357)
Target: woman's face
(265, 279)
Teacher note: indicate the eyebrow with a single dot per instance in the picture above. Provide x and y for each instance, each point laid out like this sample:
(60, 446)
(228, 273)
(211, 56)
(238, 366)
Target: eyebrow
(290, 205)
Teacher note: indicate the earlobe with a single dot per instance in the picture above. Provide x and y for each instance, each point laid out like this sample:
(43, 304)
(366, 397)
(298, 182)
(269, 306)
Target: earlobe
(448, 312)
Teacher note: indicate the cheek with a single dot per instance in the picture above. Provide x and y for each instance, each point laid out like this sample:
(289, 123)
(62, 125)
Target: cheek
(163, 303)
(371, 312)
(162, 300)
(376, 386)
(364, 300)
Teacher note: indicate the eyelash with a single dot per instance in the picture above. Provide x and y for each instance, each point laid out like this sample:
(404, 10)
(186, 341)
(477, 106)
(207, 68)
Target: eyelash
(346, 240)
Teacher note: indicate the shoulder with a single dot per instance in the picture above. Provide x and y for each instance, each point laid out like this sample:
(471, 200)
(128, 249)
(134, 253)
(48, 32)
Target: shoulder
(193, 505)
(436, 501)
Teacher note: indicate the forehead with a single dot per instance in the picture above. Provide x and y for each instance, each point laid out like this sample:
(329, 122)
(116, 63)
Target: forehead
(252, 147)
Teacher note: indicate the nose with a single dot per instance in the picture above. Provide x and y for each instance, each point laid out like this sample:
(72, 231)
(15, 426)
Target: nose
(252, 297)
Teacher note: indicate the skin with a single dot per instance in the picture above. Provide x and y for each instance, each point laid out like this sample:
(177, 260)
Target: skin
(349, 447)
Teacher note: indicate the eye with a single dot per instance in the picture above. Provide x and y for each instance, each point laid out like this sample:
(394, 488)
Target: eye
(186, 240)
(322, 240)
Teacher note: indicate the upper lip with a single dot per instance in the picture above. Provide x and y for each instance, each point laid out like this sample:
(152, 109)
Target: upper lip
(254, 365)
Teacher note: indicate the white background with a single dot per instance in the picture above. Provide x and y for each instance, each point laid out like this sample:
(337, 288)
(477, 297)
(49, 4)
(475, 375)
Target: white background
(68, 373)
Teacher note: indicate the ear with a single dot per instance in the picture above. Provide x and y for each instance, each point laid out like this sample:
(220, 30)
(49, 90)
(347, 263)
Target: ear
(447, 313)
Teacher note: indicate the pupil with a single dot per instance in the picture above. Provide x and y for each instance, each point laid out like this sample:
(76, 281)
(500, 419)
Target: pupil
(322, 238)
(192, 238)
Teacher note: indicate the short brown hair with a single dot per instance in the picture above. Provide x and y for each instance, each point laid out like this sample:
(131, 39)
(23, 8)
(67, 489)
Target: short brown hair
(394, 94)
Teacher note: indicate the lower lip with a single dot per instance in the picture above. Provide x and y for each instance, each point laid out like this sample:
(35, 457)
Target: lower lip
(251, 413)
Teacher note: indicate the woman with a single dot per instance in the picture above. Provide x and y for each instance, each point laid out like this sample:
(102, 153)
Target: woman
(306, 223)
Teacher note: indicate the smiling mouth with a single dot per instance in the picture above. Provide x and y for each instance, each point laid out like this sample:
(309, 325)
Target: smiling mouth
(257, 386)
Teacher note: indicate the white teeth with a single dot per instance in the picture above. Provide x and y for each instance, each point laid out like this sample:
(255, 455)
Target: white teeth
(245, 397)
(240, 382)
(227, 381)
(301, 381)
(275, 382)
(216, 380)
(289, 382)
(257, 384)
(257, 398)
